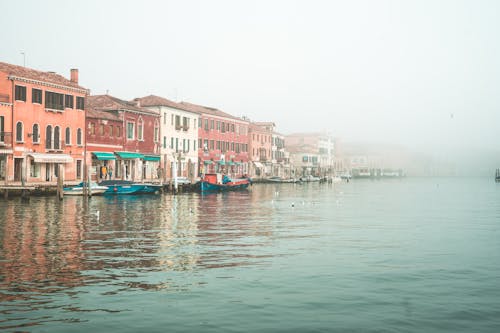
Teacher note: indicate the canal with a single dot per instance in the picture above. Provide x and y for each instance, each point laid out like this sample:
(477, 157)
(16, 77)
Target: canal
(400, 255)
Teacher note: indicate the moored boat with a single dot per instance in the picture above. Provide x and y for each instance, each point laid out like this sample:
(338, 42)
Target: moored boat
(95, 189)
(216, 182)
(497, 176)
(123, 187)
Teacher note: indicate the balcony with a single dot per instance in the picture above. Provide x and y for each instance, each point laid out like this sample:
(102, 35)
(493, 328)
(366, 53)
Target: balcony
(178, 127)
(5, 139)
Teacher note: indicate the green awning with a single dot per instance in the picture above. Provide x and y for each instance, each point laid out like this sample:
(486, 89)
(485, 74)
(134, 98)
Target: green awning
(103, 156)
(230, 163)
(221, 162)
(208, 162)
(151, 158)
(128, 155)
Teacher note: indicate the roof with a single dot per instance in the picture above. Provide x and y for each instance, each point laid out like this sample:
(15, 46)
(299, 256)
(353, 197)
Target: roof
(28, 73)
(100, 114)
(110, 103)
(153, 100)
(209, 110)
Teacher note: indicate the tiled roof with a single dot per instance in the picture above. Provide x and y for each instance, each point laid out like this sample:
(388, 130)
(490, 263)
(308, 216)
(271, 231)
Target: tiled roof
(101, 114)
(109, 103)
(208, 110)
(32, 74)
(153, 100)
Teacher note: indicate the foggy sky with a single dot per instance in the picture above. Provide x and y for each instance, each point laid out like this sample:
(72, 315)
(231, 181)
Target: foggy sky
(424, 74)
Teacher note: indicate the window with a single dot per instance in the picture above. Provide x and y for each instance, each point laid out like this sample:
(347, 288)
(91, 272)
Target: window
(217, 125)
(194, 144)
(36, 96)
(211, 124)
(19, 132)
(194, 122)
(92, 128)
(223, 127)
(67, 136)
(177, 122)
(79, 137)
(171, 143)
(206, 124)
(183, 145)
(101, 129)
(2, 135)
(34, 169)
(164, 142)
(110, 131)
(68, 101)
(20, 93)
(130, 130)
(140, 129)
(199, 143)
(57, 140)
(211, 144)
(48, 137)
(80, 103)
(176, 145)
(79, 169)
(199, 123)
(118, 131)
(35, 134)
(164, 118)
(185, 123)
(157, 132)
(232, 128)
(205, 144)
(54, 100)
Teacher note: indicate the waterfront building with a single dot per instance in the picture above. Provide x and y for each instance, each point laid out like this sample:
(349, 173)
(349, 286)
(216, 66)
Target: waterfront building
(140, 137)
(312, 153)
(260, 145)
(104, 137)
(179, 135)
(42, 119)
(222, 141)
(280, 157)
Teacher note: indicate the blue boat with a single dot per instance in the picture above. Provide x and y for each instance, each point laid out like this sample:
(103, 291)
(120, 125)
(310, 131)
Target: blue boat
(123, 187)
(217, 183)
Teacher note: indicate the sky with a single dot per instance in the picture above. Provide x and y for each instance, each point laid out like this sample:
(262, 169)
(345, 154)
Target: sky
(424, 74)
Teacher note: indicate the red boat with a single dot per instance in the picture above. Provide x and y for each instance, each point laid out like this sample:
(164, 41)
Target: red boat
(216, 182)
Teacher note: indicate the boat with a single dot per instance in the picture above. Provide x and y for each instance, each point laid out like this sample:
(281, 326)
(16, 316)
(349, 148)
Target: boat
(216, 182)
(278, 179)
(497, 176)
(310, 178)
(124, 187)
(95, 189)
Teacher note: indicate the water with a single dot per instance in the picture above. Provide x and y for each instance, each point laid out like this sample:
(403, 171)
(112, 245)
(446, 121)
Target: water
(410, 255)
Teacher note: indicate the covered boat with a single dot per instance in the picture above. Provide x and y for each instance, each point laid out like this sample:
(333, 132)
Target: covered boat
(124, 187)
(95, 189)
(216, 182)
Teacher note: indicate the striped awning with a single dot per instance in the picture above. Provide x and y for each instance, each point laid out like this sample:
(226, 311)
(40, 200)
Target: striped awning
(125, 155)
(152, 158)
(104, 156)
(51, 158)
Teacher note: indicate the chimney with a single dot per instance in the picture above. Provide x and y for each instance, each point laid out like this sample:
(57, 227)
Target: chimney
(137, 102)
(74, 75)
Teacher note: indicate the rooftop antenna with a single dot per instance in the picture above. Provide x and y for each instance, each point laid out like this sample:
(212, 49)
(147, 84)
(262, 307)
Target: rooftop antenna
(24, 58)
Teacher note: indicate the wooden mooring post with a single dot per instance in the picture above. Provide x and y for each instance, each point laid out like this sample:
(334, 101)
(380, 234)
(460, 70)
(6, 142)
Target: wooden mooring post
(60, 176)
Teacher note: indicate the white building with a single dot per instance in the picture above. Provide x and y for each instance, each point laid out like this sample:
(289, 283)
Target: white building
(179, 136)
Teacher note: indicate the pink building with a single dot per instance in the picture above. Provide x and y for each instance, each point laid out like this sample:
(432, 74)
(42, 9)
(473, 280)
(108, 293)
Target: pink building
(42, 119)
(222, 141)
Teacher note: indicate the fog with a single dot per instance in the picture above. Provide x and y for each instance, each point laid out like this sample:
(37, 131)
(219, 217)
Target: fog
(420, 74)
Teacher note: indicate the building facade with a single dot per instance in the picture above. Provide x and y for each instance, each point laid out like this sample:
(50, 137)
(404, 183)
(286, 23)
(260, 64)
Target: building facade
(179, 136)
(260, 144)
(42, 122)
(140, 137)
(222, 141)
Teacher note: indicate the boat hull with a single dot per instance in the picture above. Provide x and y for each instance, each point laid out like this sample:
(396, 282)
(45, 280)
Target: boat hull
(210, 187)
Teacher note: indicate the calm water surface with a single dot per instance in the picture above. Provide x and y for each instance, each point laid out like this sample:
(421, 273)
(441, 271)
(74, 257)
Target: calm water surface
(410, 255)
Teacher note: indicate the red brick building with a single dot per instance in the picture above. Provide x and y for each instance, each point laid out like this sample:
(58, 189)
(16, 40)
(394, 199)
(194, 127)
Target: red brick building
(139, 135)
(42, 119)
(222, 141)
